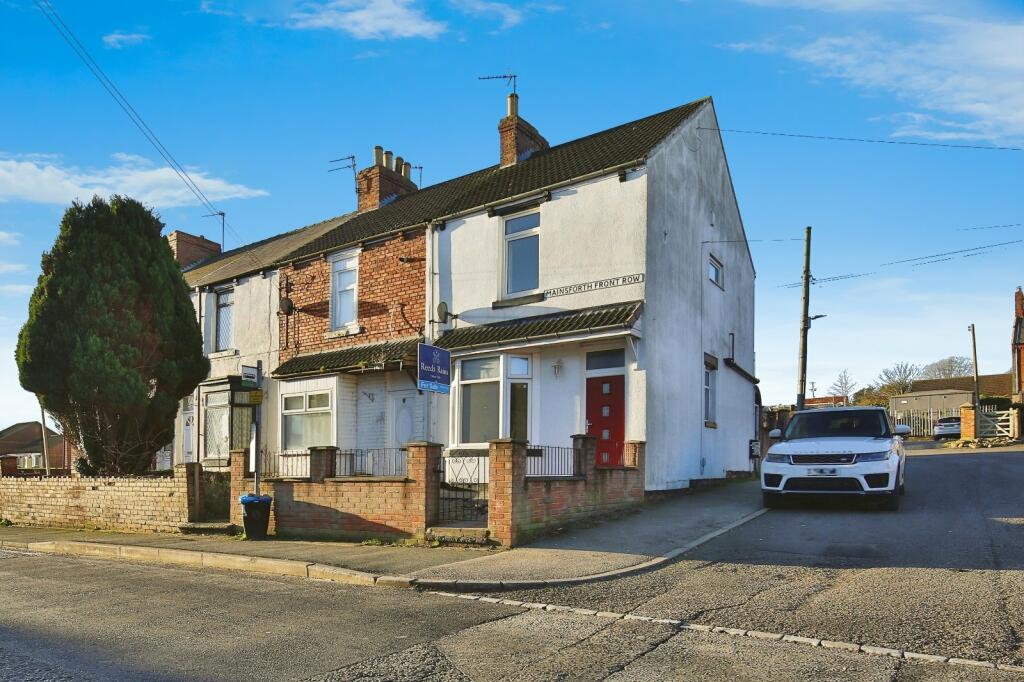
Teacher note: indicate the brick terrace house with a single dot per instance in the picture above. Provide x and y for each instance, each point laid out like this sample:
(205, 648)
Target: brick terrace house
(353, 310)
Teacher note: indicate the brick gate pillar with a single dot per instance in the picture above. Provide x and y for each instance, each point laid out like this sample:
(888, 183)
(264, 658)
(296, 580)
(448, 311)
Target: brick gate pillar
(8, 466)
(968, 422)
(192, 475)
(507, 503)
(423, 465)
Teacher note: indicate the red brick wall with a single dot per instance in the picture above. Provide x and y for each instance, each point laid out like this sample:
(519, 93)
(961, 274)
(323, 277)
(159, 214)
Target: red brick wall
(521, 506)
(357, 506)
(391, 296)
(124, 504)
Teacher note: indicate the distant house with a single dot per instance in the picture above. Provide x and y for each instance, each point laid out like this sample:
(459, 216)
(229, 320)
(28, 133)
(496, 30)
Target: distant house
(24, 442)
(950, 394)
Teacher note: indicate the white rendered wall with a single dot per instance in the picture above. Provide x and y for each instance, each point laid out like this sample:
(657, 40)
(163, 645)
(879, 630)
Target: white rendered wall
(254, 339)
(590, 231)
(690, 201)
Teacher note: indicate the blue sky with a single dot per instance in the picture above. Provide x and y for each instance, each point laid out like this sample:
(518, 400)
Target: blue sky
(255, 98)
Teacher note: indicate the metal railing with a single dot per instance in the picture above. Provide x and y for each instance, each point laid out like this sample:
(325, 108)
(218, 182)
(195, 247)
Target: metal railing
(551, 461)
(464, 484)
(287, 464)
(371, 462)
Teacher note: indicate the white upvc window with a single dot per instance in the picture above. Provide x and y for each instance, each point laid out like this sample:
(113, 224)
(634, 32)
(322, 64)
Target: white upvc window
(710, 393)
(224, 300)
(344, 289)
(716, 272)
(522, 254)
(307, 420)
(493, 399)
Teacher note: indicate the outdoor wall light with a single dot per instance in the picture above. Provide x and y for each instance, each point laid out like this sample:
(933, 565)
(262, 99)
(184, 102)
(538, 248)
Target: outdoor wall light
(556, 366)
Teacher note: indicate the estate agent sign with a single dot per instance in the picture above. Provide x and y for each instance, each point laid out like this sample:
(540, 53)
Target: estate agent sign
(433, 368)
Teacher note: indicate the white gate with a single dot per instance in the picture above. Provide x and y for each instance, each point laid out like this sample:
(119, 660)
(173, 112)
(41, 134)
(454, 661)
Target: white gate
(995, 424)
(922, 421)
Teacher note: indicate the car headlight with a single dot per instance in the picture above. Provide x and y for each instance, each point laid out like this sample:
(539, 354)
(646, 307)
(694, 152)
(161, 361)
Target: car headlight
(778, 459)
(873, 457)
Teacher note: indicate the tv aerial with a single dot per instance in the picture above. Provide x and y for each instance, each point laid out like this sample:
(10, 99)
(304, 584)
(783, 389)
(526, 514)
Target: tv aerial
(509, 78)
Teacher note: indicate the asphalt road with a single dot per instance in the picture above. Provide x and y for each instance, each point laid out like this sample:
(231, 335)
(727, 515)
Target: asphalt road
(944, 575)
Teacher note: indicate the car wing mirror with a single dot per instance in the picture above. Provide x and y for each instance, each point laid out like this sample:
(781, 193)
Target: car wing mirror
(902, 430)
(775, 434)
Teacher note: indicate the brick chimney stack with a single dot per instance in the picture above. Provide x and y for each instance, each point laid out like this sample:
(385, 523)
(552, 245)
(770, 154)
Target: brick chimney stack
(1018, 303)
(387, 179)
(189, 249)
(519, 139)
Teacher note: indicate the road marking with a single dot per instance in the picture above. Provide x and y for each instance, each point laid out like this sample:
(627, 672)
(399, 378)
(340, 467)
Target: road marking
(800, 640)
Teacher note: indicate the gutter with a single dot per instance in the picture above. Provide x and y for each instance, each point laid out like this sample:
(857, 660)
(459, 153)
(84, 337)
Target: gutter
(731, 363)
(475, 209)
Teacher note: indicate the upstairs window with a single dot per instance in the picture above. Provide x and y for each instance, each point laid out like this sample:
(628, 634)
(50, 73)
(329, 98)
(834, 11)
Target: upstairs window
(522, 254)
(716, 272)
(344, 283)
(225, 319)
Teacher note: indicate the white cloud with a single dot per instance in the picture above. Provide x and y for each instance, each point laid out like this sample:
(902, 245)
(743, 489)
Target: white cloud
(961, 76)
(11, 267)
(118, 40)
(509, 16)
(16, 289)
(9, 238)
(369, 19)
(49, 182)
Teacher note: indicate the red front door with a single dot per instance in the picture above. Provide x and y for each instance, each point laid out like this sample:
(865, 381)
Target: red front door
(606, 417)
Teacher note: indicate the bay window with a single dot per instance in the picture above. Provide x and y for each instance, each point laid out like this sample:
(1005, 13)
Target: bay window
(306, 420)
(493, 401)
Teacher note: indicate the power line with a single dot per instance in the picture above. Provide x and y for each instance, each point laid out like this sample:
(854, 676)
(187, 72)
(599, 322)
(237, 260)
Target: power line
(954, 253)
(833, 138)
(83, 54)
(987, 227)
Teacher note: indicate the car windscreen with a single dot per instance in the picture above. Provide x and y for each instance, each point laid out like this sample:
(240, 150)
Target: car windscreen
(949, 420)
(838, 424)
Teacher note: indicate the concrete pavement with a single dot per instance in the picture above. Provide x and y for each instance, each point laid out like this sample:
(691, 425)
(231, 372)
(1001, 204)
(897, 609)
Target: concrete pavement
(655, 534)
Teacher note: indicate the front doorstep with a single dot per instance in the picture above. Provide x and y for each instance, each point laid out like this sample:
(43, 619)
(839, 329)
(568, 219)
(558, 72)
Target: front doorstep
(209, 528)
(478, 535)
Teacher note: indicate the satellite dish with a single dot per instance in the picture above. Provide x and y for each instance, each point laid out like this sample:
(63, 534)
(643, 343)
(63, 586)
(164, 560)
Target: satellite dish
(442, 313)
(287, 306)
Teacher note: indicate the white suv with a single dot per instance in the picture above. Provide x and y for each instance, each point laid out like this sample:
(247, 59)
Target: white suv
(837, 450)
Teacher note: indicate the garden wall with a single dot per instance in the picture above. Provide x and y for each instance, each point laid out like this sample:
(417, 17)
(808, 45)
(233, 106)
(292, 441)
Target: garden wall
(137, 503)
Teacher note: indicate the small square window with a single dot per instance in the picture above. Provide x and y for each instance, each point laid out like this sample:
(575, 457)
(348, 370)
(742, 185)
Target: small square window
(519, 367)
(715, 272)
(292, 402)
(484, 368)
(606, 359)
(606, 411)
(604, 434)
(606, 388)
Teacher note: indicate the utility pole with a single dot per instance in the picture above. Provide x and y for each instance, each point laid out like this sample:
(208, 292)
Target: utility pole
(46, 446)
(805, 322)
(974, 355)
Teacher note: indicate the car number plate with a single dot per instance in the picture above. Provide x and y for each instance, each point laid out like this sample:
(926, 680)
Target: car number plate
(821, 471)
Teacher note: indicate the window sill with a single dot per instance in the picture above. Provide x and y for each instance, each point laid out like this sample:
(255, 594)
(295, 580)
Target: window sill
(517, 300)
(343, 332)
(710, 425)
(229, 353)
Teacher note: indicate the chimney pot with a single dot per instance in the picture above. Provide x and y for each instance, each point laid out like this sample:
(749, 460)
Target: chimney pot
(513, 104)
(378, 156)
(407, 170)
(398, 164)
(389, 159)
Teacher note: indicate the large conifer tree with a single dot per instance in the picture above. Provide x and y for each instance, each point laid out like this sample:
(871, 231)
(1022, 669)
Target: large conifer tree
(112, 342)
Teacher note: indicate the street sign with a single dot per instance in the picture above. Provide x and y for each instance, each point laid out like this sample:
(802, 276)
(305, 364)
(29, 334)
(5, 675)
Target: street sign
(433, 368)
(250, 377)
